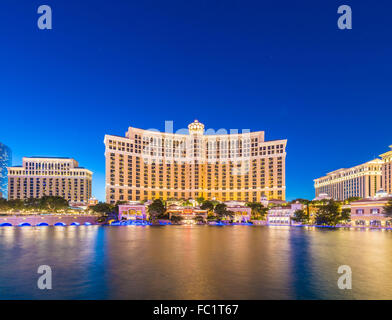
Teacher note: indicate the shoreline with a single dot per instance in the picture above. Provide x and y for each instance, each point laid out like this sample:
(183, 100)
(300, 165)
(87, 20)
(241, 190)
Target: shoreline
(195, 225)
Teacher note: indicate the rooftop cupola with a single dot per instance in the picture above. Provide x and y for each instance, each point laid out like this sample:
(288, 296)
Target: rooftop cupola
(196, 127)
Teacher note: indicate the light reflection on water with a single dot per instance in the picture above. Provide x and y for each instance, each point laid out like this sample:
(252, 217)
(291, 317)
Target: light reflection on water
(194, 262)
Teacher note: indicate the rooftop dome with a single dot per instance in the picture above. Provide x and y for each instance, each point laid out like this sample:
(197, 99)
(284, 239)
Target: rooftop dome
(381, 194)
(196, 127)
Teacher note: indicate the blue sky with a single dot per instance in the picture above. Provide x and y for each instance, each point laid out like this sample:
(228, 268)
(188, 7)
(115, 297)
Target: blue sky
(279, 66)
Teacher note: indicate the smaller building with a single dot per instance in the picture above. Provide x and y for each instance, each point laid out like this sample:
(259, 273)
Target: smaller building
(241, 212)
(92, 202)
(271, 202)
(132, 212)
(282, 215)
(78, 205)
(188, 214)
(50, 176)
(369, 212)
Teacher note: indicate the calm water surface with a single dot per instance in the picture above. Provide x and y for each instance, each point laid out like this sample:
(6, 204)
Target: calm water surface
(198, 262)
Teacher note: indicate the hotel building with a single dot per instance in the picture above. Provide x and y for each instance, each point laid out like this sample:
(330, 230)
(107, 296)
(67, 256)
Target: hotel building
(48, 176)
(387, 171)
(360, 181)
(146, 165)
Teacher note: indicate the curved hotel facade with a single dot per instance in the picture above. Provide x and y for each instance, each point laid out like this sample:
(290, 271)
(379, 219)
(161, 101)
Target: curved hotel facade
(146, 165)
(361, 181)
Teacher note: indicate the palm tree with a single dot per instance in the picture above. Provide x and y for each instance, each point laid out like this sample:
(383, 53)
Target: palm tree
(388, 209)
(207, 205)
(186, 203)
(199, 218)
(156, 209)
(222, 212)
(176, 218)
(301, 216)
(345, 215)
(200, 200)
(258, 210)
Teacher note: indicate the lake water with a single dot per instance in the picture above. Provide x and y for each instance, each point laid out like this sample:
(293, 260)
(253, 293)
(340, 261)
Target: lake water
(194, 262)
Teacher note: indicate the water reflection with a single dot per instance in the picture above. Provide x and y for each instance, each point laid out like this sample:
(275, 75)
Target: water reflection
(194, 262)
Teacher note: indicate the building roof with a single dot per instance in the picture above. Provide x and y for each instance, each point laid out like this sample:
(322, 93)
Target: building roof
(386, 153)
(42, 157)
(372, 200)
(332, 174)
(196, 124)
(288, 207)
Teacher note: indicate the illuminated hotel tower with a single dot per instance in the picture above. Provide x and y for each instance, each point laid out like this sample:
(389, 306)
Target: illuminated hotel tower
(49, 176)
(146, 165)
(387, 171)
(361, 181)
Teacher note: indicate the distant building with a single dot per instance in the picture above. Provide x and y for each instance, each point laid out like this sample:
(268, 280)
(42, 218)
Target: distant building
(361, 181)
(50, 176)
(5, 161)
(387, 171)
(92, 202)
(323, 196)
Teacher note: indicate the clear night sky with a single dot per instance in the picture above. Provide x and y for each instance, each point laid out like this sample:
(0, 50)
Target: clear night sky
(279, 66)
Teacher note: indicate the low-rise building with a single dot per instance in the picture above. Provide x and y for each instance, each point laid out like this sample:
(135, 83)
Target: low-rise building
(132, 212)
(282, 215)
(241, 213)
(92, 202)
(188, 214)
(369, 212)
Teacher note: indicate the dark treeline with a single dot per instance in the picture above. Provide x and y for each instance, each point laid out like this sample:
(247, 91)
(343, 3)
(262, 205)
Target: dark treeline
(46, 203)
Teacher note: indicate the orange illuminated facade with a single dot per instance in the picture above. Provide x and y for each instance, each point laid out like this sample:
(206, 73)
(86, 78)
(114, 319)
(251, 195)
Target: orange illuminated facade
(146, 165)
(50, 176)
(361, 181)
(387, 171)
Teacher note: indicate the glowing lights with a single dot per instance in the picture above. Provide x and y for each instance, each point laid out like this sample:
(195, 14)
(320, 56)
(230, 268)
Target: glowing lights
(42, 224)
(131, 223)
